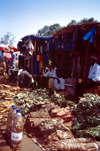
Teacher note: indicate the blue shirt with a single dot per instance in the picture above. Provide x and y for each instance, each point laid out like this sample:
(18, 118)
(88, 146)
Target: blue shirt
(13, 60)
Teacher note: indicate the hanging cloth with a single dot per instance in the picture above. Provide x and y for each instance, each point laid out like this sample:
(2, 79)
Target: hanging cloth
(90, 34)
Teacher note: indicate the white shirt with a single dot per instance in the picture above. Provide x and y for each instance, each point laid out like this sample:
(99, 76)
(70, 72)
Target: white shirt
(94, 72)
(57, 85)
(51, 73)
(60, 85)
(20, 70)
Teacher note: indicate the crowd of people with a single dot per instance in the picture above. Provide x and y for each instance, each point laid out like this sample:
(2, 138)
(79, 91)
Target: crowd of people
(7, 64)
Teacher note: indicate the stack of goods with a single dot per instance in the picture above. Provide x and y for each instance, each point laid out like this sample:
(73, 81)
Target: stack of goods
(64, 113)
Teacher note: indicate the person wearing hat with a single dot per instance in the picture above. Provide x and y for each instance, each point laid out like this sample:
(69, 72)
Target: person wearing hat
(93, 77)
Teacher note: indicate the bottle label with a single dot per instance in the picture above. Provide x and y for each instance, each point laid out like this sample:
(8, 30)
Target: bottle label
(16, 136)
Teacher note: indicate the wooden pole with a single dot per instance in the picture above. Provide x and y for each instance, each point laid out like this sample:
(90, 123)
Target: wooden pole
(87, 50)
(32, 65)
(62, 63)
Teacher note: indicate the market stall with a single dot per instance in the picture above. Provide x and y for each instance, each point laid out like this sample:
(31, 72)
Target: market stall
(35, 51)
(73, 46)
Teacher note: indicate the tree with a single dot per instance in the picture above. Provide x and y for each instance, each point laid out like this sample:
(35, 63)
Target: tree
(8, 39)
(48, 30)
(84, 20)
(73, 22)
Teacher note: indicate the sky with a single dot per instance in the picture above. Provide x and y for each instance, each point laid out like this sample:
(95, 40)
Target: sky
(26, 17)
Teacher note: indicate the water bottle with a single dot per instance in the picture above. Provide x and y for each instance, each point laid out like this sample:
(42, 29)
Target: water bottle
(11, 119)
(18, 111)
(7, 124)
(17, 133)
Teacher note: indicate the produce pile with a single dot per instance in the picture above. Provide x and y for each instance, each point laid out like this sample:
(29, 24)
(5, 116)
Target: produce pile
(52, 121)
(26, 101)
(47, 120)
(87, 117)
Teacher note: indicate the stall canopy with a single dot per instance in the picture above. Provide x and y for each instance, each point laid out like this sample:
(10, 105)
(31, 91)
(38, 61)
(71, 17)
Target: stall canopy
(7, 47)
(32, 37)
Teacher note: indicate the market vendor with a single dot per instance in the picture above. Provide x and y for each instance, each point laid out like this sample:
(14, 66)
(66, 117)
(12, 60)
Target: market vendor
(93, 77)
(25, 79)
(46, 76)
(56, 82)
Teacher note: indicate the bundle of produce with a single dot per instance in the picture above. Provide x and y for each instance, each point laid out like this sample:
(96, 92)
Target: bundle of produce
(77, 146)
(71, 144)
(26, 101)
(61, 101)
(87, 115)
(94, 132)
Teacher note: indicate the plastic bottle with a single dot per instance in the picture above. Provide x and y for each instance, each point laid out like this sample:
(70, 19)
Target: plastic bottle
(9, 114)
(17, 133)
(11, 119)
(18, 111)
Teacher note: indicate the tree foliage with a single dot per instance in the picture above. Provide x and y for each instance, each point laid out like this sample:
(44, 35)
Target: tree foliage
(84, 20)
(7, 39)
(48, 30)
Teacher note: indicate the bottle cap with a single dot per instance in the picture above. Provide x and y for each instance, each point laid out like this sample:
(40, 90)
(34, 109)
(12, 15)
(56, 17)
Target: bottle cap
(18, 110)
(14, 108)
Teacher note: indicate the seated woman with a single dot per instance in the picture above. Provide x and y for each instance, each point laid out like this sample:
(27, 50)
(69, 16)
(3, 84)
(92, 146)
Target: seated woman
(56, 82)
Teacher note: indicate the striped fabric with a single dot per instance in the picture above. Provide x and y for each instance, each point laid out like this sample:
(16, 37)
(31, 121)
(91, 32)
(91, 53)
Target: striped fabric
(40, 58)
(38, 63)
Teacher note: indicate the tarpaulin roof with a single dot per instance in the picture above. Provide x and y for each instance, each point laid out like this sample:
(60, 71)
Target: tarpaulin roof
(32, 37)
